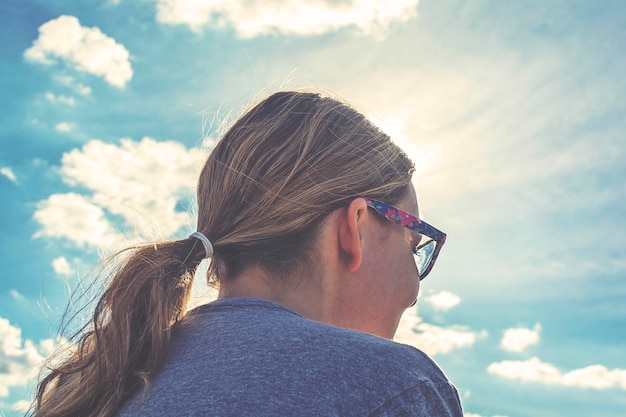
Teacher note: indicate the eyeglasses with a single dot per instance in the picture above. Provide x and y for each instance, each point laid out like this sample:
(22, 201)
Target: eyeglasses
(427, 250)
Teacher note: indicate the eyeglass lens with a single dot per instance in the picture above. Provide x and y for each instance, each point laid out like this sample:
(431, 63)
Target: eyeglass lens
(423, 255)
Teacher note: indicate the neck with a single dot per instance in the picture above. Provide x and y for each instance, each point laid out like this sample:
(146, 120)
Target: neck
(311, 298)
(301, 295)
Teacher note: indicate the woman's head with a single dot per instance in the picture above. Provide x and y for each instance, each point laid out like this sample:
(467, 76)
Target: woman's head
(280, 170)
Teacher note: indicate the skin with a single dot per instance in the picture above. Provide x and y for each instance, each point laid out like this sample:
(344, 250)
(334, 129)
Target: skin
(366, 278)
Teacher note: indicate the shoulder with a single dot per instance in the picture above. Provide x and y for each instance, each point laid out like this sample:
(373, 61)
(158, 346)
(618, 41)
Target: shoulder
(380, 355)
(424, 398)
(397, 379)
(353, 342)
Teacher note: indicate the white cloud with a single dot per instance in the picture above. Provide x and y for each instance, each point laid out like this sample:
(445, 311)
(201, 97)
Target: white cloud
(596, 376)
(252, 18)
(75, 217)
(433, 339)
(536, 371)
(140, 183)
(82, 89)
(85, 49)
(61, 266)
(15, 294)
(21, 405)
(519, 338)
(532, 370)
(63, 127)
(60, 99)
(8, 172)
(69, 81)
(443, 300)
(19, 359)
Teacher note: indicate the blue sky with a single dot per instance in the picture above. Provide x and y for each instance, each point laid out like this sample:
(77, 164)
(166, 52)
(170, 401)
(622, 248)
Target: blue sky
(513, 111)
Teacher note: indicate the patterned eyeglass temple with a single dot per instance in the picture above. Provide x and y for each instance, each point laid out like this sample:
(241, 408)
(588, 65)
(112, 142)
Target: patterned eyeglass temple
(408, 220)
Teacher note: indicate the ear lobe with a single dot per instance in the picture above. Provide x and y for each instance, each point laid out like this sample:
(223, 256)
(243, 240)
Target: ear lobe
(350, 236)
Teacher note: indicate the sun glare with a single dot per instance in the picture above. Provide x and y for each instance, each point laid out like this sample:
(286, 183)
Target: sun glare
(423, 153)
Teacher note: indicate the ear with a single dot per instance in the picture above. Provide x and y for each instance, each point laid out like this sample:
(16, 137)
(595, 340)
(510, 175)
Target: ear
(350, 234)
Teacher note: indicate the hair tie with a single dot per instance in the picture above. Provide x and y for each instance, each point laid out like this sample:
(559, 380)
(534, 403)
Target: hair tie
(208, 248)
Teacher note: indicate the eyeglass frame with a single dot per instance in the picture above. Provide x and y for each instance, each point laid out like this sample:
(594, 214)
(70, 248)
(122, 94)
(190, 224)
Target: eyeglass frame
(412, 222)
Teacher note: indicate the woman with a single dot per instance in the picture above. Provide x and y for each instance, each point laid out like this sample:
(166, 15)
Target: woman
(304, 213)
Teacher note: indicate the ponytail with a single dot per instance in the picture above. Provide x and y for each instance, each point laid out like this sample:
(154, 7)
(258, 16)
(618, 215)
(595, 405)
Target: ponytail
(128, 337)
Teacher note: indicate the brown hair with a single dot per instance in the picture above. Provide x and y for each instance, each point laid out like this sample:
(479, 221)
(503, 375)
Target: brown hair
(263, 194)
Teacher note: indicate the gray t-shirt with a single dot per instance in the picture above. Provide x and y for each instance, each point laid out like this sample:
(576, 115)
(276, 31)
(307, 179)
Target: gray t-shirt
(251, 357)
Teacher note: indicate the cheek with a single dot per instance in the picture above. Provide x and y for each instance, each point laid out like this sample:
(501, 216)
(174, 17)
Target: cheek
(417, 288)
(397, 270)
(410, 277)
(413, 281)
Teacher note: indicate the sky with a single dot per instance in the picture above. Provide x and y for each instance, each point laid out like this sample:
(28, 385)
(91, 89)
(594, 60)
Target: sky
(514, 113)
